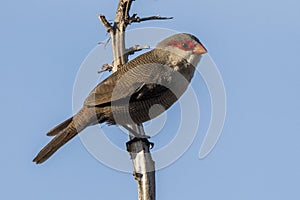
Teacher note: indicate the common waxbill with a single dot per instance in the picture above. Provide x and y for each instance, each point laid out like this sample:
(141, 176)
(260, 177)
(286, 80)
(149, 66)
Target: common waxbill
(159, 76)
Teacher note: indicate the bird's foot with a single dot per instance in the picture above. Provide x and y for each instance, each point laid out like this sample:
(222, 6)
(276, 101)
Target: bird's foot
(135, 139)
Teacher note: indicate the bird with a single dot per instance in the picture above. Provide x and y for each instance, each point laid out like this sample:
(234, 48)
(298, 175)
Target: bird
(157, 77)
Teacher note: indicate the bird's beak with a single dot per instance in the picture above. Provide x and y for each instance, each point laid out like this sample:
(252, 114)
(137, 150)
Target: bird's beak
(199, 49)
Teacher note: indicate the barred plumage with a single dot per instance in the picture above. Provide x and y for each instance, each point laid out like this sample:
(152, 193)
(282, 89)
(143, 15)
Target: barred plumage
(158, 77)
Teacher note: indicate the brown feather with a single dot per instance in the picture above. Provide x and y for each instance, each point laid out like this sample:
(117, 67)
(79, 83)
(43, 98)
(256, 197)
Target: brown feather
(59, 127)
(159, 77)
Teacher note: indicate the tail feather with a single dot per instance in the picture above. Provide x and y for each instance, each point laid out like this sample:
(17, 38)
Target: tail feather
(61, 138)
(59, 127)
(67, 130)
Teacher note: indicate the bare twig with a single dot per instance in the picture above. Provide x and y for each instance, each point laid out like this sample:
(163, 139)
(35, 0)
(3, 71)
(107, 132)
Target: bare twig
(136, 19)
(136, 48)
(105, 67)
(105, 23)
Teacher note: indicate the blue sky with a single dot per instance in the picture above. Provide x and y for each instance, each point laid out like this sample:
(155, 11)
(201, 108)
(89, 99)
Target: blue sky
(255, 45)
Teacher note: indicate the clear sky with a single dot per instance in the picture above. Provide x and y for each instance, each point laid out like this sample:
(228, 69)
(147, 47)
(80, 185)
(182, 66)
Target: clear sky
(255, 45)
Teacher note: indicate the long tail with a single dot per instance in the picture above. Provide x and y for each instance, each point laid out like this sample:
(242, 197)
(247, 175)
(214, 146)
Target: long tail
(63, 133)
(66, 131)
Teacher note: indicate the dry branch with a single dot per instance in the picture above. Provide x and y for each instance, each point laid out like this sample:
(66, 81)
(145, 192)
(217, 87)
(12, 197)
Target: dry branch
(105, 23)
(105, 67)
(139, 148)
(137, 19)
(136, 48)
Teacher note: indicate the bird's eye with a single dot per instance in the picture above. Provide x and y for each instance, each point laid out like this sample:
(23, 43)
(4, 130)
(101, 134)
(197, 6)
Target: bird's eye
(185, 45)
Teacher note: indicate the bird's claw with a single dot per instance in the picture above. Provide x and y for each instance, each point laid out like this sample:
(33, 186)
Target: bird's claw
(136, 139)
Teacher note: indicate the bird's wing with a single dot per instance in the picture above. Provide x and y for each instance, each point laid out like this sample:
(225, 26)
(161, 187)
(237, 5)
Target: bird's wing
(148, 91)
(102, 93)
(125, 83)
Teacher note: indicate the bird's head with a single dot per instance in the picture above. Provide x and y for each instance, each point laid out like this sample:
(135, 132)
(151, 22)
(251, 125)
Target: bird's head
(184, 45)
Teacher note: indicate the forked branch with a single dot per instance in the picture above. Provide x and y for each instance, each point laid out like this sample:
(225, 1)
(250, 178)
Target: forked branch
(139, 149)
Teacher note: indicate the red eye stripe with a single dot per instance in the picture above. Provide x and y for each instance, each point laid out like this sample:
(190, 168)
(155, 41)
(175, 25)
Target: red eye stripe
(183, 44)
